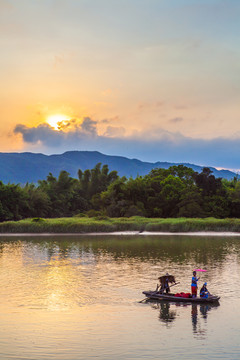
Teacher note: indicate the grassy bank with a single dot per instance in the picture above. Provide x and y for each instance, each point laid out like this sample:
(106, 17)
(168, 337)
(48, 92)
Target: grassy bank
(90, 225)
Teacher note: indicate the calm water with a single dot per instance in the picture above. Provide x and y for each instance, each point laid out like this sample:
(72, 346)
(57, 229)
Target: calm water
(78, 298)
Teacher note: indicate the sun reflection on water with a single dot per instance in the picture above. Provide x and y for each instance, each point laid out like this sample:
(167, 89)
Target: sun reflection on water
(69, 297)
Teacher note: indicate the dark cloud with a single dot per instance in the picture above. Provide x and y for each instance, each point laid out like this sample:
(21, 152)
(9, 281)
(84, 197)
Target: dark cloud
(176, 120)
(88, 126)
(66, 124)
(105, 121)
(108, 121)
(41, 134)
(49, 137)
(157, 145)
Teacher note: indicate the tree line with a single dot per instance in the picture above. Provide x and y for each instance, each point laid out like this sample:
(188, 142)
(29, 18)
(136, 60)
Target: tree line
(174, 192)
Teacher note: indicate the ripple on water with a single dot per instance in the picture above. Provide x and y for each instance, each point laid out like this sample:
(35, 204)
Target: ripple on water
(78, 298)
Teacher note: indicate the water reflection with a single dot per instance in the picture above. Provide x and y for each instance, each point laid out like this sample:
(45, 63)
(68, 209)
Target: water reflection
(180, 249)
(167, 315)
(71, 262)
(80, 295)
(169, 312)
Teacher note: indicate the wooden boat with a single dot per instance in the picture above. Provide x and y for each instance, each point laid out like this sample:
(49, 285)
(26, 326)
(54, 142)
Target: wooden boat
(155, 295)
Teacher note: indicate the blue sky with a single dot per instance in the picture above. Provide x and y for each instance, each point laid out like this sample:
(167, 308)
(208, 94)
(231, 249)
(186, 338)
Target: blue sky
(153, 79)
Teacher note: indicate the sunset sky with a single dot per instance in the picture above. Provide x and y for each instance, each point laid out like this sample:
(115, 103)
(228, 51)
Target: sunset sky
(157, 80)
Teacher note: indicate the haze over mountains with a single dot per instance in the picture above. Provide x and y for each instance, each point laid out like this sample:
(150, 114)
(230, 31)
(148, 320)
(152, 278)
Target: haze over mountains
(31, 167)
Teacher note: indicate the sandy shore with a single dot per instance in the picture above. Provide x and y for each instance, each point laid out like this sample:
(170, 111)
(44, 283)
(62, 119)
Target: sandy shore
(128, 233)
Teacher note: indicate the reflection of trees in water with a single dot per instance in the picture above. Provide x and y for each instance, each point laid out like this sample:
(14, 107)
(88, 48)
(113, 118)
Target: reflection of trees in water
(145, 248)
(177, 249)
(167, 252)
(1, 248)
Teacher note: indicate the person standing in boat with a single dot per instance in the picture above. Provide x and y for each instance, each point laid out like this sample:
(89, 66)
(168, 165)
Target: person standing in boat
(165, 284)
(194, 284)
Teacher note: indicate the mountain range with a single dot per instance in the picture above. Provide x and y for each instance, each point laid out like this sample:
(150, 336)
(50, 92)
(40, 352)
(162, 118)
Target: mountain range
(31, 167)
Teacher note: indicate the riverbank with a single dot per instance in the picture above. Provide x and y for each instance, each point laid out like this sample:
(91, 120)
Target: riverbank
(133, 225)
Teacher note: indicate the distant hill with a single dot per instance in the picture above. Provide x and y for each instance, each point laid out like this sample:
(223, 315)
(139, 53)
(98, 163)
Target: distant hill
(31, 167)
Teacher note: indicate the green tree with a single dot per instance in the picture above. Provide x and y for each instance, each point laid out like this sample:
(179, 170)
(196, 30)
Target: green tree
(14, 202)
(39, 202)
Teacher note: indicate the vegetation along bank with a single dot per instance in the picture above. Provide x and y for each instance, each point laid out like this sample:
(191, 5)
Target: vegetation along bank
(99, 197)
(107, 225)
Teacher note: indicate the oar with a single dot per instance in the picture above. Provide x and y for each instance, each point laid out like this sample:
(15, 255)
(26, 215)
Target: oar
(155, 292)
(172, 285)
(175, 284)
(146, 298)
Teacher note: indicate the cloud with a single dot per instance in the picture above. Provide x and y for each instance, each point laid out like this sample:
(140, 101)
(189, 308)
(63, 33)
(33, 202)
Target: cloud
(110, 120)
(115, 131)
(44, 134)
(176, 120)
(149, 145)
(89, 127)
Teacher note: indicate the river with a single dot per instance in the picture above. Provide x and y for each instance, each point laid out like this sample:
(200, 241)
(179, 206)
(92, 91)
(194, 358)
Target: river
(77, 297)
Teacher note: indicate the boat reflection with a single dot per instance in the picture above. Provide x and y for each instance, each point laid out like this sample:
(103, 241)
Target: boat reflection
(170, 311)
(167, 314)
(203, 311)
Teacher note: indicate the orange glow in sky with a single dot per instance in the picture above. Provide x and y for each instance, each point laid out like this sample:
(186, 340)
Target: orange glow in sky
(174, 83)
(56, 120)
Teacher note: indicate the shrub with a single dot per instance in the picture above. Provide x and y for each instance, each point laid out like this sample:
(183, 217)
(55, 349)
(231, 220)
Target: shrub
(37, 219)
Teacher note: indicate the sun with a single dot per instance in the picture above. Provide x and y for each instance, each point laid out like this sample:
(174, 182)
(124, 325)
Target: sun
(55, 121)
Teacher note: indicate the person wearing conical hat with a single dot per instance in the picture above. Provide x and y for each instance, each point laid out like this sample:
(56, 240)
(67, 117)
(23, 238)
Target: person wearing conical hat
(165, 284)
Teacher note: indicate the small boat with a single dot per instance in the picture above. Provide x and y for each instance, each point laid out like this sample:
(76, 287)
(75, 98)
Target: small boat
(155, 295)
(162, 293)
